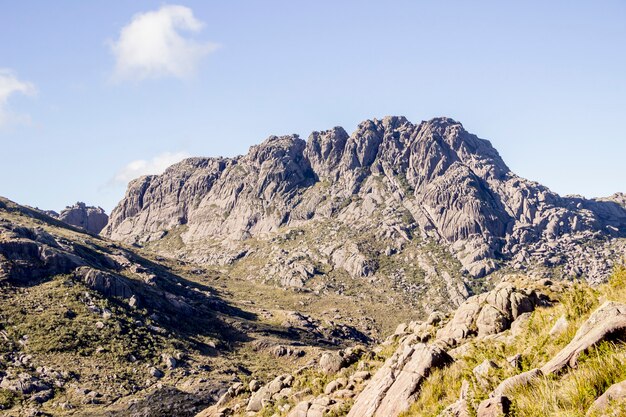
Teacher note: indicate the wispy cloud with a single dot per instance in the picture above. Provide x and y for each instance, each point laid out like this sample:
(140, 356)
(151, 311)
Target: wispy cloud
(156, 165)
(9, 85)
(152, 45)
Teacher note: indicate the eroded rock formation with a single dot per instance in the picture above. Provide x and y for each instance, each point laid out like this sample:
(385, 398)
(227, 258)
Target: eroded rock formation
(390, 177)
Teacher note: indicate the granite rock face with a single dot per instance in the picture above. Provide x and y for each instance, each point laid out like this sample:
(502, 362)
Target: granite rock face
(91, 219)
(390, 177)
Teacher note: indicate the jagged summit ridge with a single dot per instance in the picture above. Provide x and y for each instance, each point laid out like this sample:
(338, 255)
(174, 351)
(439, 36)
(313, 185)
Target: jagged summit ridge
(454, 186)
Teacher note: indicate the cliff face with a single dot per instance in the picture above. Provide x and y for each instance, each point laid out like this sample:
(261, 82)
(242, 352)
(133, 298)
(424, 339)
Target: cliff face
(89, 218)
(390, 179)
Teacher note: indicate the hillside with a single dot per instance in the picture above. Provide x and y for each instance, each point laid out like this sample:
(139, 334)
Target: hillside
(527, 348)
(421, 209)
(94, 327)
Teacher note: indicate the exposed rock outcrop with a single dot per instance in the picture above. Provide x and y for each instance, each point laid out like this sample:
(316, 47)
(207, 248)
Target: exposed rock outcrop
(489, 313)
(609, 320)
(27, 254)
(616, 394)
(89, 218)
(451, 186)
(394, 386)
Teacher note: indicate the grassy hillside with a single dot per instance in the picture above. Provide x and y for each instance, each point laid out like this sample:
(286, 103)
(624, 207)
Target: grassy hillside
(99, 354)
(569, 394)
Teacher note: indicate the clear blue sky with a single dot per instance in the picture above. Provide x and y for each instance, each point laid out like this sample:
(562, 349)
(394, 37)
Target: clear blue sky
(544, 81)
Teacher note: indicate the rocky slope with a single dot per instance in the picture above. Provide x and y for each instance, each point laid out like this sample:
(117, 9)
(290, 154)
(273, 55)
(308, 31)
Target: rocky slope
(526, 348)
(89, 218)
(356, 200)
(93, 327)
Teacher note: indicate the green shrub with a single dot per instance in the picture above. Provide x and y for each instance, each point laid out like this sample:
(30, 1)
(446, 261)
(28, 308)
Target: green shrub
(579, 301)
(7, 399)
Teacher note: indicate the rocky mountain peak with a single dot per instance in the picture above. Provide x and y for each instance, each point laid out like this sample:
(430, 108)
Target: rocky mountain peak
(325, 149)
(390, 180)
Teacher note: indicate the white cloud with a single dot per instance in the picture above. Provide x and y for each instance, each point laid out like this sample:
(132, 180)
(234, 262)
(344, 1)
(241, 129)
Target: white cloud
(152, 46)
(10, 84)
(156, 165)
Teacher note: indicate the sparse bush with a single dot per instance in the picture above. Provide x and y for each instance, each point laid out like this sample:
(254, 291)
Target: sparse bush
(7, 399)
(579, 301)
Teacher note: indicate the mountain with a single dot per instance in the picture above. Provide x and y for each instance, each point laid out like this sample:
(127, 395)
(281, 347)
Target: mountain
(92, 327)
(89, 218)
(430, 196)
(270, 284)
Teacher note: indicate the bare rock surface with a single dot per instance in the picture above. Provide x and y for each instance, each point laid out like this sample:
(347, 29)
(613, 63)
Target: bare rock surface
(449, 185)
(89, 218)
(489, 313)
(494, 407)
(616, 393)
(394, 386)
(609, 320)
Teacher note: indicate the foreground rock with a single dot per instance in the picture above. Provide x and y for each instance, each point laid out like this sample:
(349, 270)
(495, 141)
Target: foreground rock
(394, 387)
(489, 313)
(609, 320)
(615, 395)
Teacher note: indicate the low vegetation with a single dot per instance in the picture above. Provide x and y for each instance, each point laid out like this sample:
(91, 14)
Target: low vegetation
(567, 395)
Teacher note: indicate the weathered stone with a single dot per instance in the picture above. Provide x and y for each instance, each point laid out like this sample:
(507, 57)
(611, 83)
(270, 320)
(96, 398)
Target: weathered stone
(91, 219)
(559, 327)
(394, 386)
(491, 321)
(614, 395)
(300, 410)
(23, 383)
(515, 381)
(104, 282)
(494, 407)
(482, 372)
(609, 318)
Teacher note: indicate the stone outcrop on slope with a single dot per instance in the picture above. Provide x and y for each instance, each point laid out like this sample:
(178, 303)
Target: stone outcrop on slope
(608, 320)
(396, 384)
(489, 313)
(393, 388)
(89, 218)
(454, 188)
(27, 254)
(602, 406)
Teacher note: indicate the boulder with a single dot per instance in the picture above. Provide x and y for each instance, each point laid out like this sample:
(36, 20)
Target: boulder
(91, 219)
(515, 381)
(494, 407)
(615, 394)
(560, 326)
(105, 283)
(394, 387)
(608, 320)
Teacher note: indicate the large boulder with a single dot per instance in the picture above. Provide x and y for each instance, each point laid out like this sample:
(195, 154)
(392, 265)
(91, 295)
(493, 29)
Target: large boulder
(105, 283)
(489, 313)
(395, 386)
(91, 219)
(607, 321)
